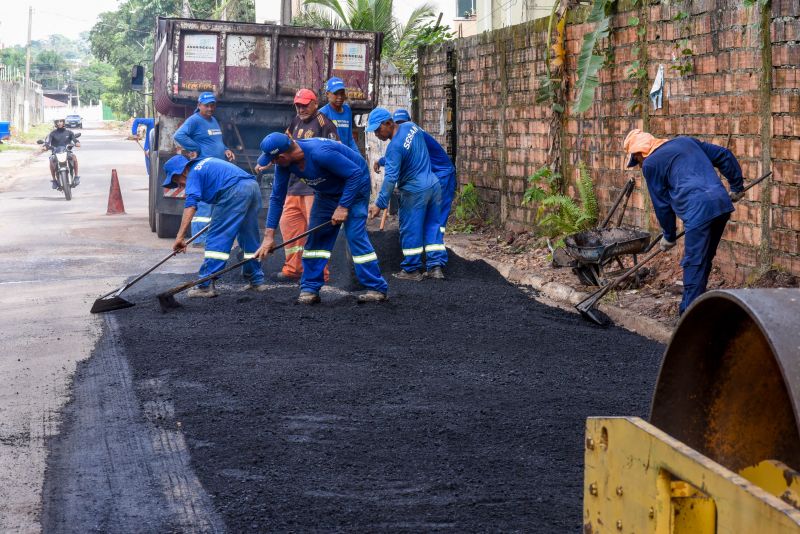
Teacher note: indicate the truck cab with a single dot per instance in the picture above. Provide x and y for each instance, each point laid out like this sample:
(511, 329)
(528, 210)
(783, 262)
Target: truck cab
(254, 70)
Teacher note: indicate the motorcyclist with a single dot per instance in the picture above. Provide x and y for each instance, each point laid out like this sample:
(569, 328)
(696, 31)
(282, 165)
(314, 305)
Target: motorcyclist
(62, 137)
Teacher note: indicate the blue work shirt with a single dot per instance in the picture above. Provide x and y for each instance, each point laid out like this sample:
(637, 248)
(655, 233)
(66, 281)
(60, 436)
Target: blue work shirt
(208, 176)
(408, 164)
(201, 136)
(331, 169)
(441, 165)
(150, 123)
(681, 180)
(343, 122)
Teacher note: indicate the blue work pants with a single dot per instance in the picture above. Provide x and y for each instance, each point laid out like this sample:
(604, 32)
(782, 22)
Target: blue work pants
(235, 217)
(699, 251)
(201, 218)
(319, 245)
(419, 229)
(448, 186)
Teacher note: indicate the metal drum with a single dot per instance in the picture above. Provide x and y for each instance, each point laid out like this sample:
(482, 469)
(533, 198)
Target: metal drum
(729, 385)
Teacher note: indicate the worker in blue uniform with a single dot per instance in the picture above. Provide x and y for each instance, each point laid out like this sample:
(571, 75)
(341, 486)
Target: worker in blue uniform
(408, 165)
(339, 112)
(149, 124)
(341, 182)
(236, 197)
(681, 181)
(443, 168)
(201, 136)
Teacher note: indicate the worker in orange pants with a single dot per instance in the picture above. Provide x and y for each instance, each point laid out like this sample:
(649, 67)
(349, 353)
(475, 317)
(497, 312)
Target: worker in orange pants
(296, 213)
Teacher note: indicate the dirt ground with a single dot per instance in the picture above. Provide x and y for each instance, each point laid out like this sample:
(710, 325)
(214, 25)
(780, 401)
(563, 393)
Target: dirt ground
(457, 406)
(659, 292)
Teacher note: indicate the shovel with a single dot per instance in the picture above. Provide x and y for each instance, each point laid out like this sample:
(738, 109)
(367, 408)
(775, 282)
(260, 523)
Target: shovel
(167, 299)
(112, 301)
(586, 306)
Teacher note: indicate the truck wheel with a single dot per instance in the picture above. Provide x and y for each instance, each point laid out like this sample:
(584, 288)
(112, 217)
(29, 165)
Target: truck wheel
(167, 225)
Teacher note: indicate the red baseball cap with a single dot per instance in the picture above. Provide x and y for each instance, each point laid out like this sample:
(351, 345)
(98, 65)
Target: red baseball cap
(304, 96)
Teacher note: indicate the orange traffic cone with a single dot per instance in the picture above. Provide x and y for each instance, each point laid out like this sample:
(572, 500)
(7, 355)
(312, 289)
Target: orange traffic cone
(115, 205)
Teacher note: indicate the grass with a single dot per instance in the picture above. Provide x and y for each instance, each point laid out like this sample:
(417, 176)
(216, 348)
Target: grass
(5, 147)
(39, 131)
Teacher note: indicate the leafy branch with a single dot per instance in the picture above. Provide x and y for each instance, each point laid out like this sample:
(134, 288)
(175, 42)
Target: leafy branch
(590, 63)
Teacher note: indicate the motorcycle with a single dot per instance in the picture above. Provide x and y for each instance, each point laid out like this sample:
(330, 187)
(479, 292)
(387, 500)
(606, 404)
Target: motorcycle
(61, 155)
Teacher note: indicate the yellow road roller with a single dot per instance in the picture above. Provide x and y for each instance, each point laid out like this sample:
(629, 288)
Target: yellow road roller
(721, 449)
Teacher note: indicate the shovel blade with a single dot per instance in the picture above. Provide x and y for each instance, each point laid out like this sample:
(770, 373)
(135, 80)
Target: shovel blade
(110, 304)
(589, 312)
(167, 302)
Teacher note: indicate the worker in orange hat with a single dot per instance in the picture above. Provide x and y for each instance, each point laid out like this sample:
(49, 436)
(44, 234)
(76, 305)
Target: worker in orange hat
(682, 182)
(308, 123)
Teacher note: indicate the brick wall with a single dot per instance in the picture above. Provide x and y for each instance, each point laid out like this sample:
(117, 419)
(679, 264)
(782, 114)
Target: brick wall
(744, 90)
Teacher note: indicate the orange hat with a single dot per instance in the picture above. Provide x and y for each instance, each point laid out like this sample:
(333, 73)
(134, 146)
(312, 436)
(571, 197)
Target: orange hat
(304, 96)
(639, 142)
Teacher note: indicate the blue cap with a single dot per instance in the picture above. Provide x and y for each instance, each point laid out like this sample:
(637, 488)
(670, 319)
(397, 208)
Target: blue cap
(334, 84)
(173, 166)
(206, 98)
(274, 144)
(401, 115)
(377, 117)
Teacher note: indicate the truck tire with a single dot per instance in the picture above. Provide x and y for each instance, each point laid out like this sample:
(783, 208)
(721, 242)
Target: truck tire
(153, 184)
(167, 225)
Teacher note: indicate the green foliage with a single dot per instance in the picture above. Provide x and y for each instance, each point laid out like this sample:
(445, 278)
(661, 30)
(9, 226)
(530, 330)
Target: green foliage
(468, 212)
(590, 63)
(558, 214)
(400, 41)
(751, 3)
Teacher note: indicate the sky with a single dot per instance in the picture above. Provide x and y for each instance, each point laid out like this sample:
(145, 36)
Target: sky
(49, 17)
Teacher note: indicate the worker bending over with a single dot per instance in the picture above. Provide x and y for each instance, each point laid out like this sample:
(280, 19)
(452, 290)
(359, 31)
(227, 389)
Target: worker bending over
(236, 199)
(341, 182)
(443, 168)
(681, 181)
(408, 165)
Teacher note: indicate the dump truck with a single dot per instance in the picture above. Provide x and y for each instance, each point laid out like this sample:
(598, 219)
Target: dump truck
(721, 451)
(254, 71)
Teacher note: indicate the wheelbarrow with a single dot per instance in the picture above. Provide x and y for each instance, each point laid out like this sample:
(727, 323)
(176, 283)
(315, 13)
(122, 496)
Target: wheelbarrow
(593, 250)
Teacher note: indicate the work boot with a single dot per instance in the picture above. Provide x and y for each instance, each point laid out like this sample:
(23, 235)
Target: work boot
(76, 181)
(307, 297)
(207, 292)
(260, 286)
(413, 276)
(54, 183)
(435, 272)
(372, 296)
(283, 277)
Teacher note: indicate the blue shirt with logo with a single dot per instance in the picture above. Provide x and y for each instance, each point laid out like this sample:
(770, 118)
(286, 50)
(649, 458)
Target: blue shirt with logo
(331, 169)
(681, 181)
(440, 161)
(408, 164)
(208, 176)
(343, 122)
(202, 136)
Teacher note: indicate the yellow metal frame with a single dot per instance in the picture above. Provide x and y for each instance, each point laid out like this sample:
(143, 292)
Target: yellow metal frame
(638, 479)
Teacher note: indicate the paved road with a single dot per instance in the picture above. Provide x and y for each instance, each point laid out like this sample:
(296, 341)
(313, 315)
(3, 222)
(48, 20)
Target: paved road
(56, 257)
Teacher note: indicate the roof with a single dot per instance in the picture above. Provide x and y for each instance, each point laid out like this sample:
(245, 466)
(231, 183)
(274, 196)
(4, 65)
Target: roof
(53, 103)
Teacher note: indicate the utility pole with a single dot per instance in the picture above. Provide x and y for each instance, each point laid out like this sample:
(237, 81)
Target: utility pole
(26, 104)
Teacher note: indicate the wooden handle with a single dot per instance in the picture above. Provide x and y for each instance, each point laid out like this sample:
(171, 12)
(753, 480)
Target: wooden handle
(383, 218)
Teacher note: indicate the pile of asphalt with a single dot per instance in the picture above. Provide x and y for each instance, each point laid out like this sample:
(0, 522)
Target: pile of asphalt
(457, 405)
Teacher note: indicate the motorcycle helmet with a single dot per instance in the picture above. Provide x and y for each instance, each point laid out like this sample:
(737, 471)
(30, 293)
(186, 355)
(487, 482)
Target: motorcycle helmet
(61, 120)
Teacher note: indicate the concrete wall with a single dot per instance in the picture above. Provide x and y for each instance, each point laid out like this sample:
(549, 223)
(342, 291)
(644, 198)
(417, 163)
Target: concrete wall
(745, 83)
(13, 101)
(89, 113)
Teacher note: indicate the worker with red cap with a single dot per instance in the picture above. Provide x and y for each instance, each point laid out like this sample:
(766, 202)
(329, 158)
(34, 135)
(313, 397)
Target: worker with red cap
(308, 123)
(681, 181)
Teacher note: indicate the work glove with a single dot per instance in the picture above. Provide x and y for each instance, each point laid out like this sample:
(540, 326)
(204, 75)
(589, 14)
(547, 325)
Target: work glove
(735, 195)
(665, 244)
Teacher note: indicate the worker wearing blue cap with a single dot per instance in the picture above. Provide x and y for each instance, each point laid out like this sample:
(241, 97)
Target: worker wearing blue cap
(408, 165)
(149, 123)
(201, 136)
(339, 112)
(341, 183)
(443, 168)
(236, 197)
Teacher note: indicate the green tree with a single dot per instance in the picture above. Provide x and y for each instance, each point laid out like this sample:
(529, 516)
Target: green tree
(13, 57)
(400, 41)
(50, 69)
(95, 81)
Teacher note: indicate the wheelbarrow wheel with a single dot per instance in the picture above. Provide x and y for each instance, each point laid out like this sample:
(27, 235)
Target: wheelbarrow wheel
(588, 275)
